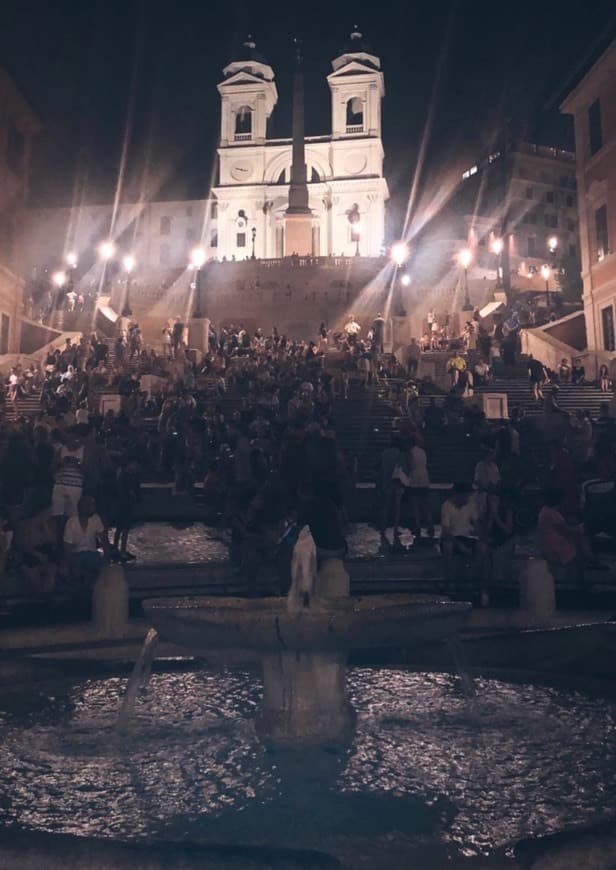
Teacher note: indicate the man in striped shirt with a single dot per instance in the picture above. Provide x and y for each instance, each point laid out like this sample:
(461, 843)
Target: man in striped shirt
(68, 480)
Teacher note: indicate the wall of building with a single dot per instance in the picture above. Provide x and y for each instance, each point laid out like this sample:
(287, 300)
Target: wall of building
(596, 178)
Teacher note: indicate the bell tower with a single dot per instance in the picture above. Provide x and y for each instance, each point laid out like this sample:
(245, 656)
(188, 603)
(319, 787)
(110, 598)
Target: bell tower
(248, 96)
(357, 88)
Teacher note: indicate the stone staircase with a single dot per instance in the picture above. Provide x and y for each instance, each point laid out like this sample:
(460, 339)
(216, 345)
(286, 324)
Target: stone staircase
(28, 406)
(569, 397)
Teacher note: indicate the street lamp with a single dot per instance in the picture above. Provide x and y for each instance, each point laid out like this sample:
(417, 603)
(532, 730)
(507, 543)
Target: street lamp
(465, 258)
(497, 249)
(405, 280)
(59, 279)
(399, 253)
(129, 263)
(253, 236)
(552, 244)
(106, 250)
(357, 230)
(545, 274)
(197, 259)
(71, 260)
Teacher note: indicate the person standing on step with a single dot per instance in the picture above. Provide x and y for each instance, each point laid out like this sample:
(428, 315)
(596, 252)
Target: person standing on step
(537, 376)
(419, 488)
(378, 333)
(391, 490)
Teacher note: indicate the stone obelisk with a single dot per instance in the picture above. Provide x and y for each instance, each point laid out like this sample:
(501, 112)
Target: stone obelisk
(298, 217)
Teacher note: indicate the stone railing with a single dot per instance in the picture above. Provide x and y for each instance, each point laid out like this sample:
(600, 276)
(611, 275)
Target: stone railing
(355, 128)
(242, 137)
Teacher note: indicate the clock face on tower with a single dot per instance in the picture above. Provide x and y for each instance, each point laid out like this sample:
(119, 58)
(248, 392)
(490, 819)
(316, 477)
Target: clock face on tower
(241, 170)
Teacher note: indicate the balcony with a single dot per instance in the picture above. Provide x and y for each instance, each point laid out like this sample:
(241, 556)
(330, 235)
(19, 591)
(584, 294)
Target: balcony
(242, 137)
(354, 128)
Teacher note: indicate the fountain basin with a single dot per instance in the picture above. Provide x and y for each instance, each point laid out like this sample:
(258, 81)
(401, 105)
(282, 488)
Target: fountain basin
(266, 624)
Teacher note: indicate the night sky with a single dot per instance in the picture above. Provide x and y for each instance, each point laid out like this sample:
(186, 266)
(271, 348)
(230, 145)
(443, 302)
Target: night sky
(82, 66)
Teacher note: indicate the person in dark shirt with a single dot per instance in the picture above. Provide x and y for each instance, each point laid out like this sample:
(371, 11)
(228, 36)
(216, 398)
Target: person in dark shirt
(127, 495)
(537, 377)
(318, 511)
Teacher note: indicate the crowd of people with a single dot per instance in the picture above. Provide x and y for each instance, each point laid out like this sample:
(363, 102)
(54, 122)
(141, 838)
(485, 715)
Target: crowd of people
(72, 472)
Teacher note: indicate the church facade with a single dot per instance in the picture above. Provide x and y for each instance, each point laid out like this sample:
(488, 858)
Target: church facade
(346, 186)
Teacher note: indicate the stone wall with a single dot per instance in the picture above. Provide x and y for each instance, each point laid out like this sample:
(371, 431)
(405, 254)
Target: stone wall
(295, 294)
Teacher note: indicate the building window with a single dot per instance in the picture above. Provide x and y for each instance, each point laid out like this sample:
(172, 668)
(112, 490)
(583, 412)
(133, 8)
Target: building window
(354, 114)
(601, 232)
(573, 251)
(529, 193)
(595, 133)
(571, 225)
(5, 327)
(607, 322)
(213, 239)
(314, 176)
(164, 255)
(165, 226)
(531, 246)
(214, 210)
(240, 240)
(549, 196)
(243, 121)
(550, 220)
(570, 200)
(190, 234)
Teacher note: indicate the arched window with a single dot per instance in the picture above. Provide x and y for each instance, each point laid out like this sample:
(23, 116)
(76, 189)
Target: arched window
(355, 112)
(243, 121)
(282, 178)
(314, 175)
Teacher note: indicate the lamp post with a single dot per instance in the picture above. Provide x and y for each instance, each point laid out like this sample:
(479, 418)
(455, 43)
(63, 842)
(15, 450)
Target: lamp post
(129, 264)
(253, 236)
(59, 279)
(545, 274)
(106, 250)
(399, 253)
(465, 258)
(197, 259)
(497, 249)
(405, 280)
(357, 228)
(71, 260)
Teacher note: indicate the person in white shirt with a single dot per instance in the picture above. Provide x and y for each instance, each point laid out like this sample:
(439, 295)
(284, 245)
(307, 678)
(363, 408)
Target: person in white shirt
(352, 329)
(461, 531)
(419, 489)
(82, 535)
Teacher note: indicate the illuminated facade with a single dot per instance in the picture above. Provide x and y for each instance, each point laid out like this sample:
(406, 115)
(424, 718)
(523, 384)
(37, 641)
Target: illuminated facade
(347, 190)
(593, 106)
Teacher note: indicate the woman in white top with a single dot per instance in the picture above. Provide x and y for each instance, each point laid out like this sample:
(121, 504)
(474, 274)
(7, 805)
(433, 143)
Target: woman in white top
(419, 489)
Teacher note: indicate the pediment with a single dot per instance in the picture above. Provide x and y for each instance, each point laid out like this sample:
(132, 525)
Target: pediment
(354, 67)
(242, 77)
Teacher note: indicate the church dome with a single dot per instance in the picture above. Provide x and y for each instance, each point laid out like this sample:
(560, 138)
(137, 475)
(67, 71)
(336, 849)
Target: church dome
(356, 43)
(248, 53)
(356, 48)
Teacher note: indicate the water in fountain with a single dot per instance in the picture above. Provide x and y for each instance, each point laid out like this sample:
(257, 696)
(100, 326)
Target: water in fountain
(138, 680)
(420, 770)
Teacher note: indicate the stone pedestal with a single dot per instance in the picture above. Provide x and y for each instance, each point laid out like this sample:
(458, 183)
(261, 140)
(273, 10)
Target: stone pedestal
(298, 234)
(494, 405)
(199, 334)
(304, 700)
(537, 595)
(110, 602)
(332, 581)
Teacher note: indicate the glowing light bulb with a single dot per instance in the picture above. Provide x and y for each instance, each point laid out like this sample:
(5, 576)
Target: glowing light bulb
(399, 253)
(465, 257)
